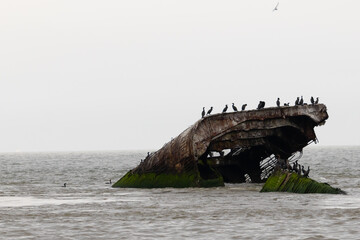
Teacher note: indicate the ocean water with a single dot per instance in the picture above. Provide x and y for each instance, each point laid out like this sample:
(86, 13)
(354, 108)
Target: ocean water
(34, 205)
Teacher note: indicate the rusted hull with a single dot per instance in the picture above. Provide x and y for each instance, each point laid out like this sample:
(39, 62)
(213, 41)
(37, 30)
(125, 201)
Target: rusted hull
(250, 137)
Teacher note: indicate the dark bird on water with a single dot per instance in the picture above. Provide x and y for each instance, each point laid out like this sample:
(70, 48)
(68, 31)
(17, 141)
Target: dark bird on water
(109, 182)
(243, 107)
(317, 100)
(235, 108)
(261, 105)
(276, 7)
(312, 100)
(203, 112)
(225, 109)
(64, 185)
(210, 110)
(278, 102)
(301, 101)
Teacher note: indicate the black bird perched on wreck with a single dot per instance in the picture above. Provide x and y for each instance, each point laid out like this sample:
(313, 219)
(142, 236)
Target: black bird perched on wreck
(297, 101)
(278, 102)
(299, 170)
(243, 107)
(235, 108)
(261, 105)
(312, 100)
(225, 109)
(317, 100)
(294, 167)
(305, 172)
(287, 104)
(210, 110)
(203, 113)
(301, 101)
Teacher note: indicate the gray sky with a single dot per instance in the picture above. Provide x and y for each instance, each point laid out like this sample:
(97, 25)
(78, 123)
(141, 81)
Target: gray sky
(117, 75)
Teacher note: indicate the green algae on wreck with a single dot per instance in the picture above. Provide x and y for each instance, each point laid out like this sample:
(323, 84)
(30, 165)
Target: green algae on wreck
(284, 181)
(153, 180)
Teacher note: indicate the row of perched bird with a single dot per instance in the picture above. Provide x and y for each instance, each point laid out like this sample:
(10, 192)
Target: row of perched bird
(299, 101)
(299, 168)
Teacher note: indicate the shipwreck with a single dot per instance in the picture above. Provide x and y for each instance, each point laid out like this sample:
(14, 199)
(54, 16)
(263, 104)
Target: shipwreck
(230, 147)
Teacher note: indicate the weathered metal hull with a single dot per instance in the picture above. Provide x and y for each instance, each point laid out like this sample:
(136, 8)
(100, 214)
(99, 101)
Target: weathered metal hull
(285, 181)
(251, 136)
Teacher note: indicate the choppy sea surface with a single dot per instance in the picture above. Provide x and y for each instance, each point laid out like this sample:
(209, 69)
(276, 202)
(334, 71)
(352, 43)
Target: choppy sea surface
(34, 205)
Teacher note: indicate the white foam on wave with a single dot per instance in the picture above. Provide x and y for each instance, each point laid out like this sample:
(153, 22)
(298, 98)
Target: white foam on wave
(340, 202)
(32, 201)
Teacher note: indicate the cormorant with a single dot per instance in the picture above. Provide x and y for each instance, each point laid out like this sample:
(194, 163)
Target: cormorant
(278, 102)
(297, 101)
(235, 108)
(109, 182)
(261, 105)
(243, 107)
(208, 112)
(301, 101)
(294, 167)
(203, 113)
(64, 185)
(312, 100)
(287, 104)
(306, 172)
(225, 109)
(317, 100)
(299, 170)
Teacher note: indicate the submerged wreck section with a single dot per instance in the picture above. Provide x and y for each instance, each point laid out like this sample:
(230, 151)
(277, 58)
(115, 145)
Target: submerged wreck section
(284, 181)
(230, 147)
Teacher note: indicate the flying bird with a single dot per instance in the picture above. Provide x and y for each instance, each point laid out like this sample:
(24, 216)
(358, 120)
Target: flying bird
(276, 7)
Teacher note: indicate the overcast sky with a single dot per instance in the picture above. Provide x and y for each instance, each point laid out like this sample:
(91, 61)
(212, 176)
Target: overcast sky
(125, 75)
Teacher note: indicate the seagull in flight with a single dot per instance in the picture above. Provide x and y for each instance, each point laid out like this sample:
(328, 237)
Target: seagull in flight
(276, 6)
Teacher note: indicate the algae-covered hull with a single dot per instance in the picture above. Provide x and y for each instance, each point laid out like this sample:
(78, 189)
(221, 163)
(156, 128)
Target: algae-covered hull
(228, 148)
(284, 181)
